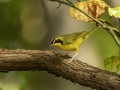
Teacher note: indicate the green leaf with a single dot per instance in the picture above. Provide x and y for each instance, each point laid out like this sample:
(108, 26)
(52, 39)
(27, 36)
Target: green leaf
(112, 64)
(114, 12)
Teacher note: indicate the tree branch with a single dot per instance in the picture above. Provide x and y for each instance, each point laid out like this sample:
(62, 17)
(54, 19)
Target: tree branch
(56, 63)
(69, 3)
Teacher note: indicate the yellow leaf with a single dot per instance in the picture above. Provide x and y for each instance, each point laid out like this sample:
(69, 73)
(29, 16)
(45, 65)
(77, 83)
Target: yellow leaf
(95, 8)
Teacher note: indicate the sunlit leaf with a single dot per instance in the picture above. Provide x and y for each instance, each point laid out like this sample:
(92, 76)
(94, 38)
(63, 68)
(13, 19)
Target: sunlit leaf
(112, 64)
(95, 8)
(114, 12)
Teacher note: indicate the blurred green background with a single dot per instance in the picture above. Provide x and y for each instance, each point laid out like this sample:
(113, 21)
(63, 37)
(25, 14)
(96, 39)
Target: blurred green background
(31, 25)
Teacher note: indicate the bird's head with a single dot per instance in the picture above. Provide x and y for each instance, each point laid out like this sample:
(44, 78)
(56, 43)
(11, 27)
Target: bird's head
(56, 41)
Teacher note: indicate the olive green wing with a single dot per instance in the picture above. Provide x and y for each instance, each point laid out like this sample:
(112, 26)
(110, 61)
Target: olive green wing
(70, 38)
(82, 35)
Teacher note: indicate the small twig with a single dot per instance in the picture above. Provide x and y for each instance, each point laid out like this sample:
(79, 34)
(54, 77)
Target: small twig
(113, 35)
(69, 3)
(59, 5)
(105, 21)
(72, 5)
(116, 31)
(79, 0)
(118, 23)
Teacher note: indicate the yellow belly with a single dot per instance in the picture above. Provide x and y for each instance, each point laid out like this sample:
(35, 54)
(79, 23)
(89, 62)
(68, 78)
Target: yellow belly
(68, 47)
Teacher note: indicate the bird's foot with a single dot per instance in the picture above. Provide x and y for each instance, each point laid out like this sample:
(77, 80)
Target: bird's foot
(70, 61)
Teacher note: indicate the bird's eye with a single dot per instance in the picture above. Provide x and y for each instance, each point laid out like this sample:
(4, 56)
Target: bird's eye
(58, 41)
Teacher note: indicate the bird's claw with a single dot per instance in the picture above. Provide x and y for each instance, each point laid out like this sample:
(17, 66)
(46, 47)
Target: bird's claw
(70, 61)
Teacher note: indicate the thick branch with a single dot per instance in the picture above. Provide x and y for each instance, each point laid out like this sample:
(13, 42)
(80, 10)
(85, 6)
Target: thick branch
(55, 63)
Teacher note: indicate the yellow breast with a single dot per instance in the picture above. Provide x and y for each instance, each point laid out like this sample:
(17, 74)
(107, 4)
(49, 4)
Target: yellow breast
(68, 47)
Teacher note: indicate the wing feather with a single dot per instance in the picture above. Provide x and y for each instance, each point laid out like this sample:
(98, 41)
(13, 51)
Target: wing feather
(70, 38)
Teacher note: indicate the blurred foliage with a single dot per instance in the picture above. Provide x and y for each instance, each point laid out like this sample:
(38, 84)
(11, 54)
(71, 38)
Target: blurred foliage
(5, 1)
(112, 64)
(22, 24)
(9, 23)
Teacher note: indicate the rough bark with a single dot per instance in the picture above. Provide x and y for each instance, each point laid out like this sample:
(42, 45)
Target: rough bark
(55, 63)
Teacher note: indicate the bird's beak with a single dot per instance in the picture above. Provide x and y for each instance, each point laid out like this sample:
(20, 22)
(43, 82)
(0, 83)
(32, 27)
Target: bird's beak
(51, 45)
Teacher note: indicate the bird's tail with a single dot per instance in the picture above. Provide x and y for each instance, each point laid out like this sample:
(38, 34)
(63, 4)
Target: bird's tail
(88, 33)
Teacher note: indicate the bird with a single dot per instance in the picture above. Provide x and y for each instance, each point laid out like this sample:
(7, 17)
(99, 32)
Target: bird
(71, 42)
